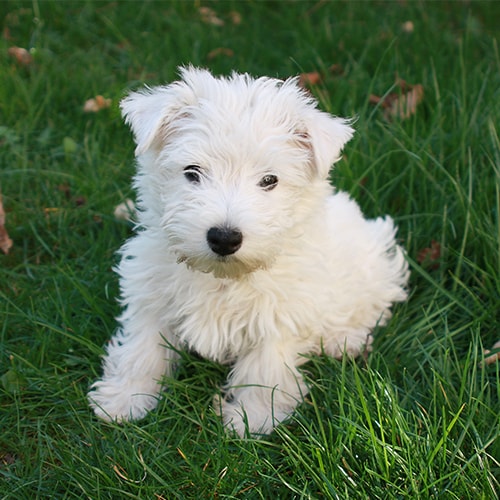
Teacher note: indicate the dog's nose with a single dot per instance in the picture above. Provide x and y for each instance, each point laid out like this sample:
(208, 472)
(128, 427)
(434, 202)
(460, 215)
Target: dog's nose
(223, 240)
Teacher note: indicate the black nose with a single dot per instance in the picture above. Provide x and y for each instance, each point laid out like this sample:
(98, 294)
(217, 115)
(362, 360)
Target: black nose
(223, 240)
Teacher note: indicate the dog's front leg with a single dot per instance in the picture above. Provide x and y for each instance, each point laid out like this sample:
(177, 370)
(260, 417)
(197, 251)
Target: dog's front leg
(263, 389)
(135, 363)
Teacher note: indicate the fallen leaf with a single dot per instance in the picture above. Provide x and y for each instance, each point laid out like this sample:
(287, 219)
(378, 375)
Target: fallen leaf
(220, 51)
(407, 27)
(309, 79)
(491, 358)
(406, 105)
(80, 201)
(235, 17)
(336, 69)
(65, 189)
(122, 473)
(125, 210)
(315, 77)
(209, 16)
(5, 242)
(95, 104)
(429, 257)
(7, 458)
(402, 104)
(22, 56)
(374, 99)
(51, 210)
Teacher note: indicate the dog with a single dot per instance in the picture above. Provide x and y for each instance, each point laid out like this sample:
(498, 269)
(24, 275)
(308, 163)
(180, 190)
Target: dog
(244, 253)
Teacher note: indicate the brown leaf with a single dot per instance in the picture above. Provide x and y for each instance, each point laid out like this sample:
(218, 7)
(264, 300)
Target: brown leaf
(406, 104)
(408, 27)
(5, 242)
(95, 104)
(22, 56)
(402, 104)
(313, 78)
(65, 190)
(429, 257)
(80, 201)
(125, 210)
(220, 51)
(7, 458)
(209, 16)
(336, 70)
(6, 33)
(374, 99)
(309, 79)
(491, 358)
(235, 17)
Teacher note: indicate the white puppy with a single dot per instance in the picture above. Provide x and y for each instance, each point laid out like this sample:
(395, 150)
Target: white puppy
(243, 253)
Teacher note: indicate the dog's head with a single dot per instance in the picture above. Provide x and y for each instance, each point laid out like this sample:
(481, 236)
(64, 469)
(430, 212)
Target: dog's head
(230, 169)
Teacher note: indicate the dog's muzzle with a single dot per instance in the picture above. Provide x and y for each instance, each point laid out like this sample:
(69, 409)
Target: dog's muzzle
(223, 240)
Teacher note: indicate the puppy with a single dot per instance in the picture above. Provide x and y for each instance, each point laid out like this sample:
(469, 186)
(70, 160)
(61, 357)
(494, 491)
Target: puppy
(244, 253)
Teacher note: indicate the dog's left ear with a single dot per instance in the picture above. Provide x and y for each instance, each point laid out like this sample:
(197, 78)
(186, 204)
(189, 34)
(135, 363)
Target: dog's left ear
(326, 135)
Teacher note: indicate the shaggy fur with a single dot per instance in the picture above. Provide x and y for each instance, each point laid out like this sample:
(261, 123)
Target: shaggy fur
(244, 253)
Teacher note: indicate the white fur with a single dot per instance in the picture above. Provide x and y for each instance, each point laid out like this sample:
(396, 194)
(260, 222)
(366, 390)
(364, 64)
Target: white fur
(311, 275)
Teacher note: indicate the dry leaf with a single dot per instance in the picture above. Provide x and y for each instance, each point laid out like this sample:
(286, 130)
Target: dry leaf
(125, 210)
(7, 458)
(308, 79)
(315, 77)
(122, 473)
(408, 27)
(51, 210)
(65, 190)
(400, 104)
(336, 70)
(235, 17)
(406, 104)
(96, 104)
(80, 201)
(429, 257)
(22, 56)
(491, 358)
(374, 99)
(220, 51)
(209, 16)
(5, 242)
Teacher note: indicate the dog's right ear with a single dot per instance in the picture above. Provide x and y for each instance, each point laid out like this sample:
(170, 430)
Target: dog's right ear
(151, 112)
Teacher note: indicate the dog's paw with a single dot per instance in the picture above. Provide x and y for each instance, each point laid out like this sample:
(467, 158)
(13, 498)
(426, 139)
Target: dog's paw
(244, 423)
(117, 403)
(249, 420)
(355, 343)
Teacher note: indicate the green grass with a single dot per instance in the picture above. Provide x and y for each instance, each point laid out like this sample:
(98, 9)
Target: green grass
(420, 418)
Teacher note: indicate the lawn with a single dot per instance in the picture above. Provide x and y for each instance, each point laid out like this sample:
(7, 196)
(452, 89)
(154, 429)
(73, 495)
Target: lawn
(420, 416)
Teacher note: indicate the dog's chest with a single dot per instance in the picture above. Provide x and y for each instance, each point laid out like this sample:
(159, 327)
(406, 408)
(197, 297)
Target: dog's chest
(222, 319)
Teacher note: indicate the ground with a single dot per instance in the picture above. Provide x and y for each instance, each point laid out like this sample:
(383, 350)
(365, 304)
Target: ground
(416, 418)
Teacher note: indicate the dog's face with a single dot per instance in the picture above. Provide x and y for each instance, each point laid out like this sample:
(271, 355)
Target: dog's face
(231, 168)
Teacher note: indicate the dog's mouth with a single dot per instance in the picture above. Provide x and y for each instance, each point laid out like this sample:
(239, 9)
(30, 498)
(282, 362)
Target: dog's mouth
(222, 266)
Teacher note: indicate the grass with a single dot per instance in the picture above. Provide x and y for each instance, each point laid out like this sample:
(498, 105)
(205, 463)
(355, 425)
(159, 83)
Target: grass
(420, 418)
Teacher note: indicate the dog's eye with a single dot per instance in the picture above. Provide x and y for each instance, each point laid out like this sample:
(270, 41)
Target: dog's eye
(192, 173)
(268, 182)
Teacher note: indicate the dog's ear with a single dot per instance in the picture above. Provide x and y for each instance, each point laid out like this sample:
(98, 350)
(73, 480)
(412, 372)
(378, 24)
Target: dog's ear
(151, 112)
(326, 135)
